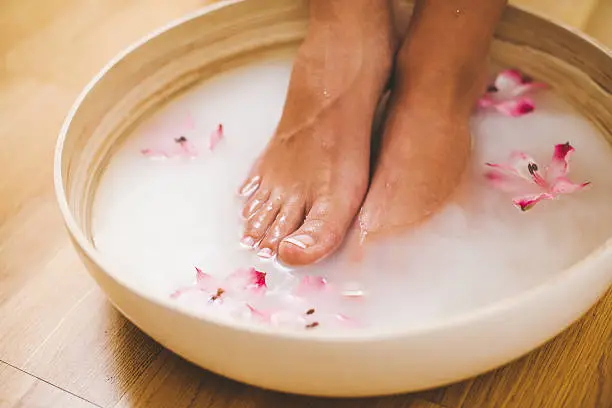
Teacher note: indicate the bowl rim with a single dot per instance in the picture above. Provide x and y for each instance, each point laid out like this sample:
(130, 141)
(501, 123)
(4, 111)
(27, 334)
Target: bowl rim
(350, 336)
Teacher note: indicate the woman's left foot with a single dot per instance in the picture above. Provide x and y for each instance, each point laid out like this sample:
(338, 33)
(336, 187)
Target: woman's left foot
(425, 147)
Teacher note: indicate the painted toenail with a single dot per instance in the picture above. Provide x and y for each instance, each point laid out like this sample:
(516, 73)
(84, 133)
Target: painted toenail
(265, 253)
(300, 241)
(248, 242)
(250, 187)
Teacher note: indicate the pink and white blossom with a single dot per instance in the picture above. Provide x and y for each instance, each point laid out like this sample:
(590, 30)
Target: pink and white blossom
(521, 174)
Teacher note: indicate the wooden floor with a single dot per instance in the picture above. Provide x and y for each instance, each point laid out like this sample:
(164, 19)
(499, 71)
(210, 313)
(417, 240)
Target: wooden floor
(63, 345)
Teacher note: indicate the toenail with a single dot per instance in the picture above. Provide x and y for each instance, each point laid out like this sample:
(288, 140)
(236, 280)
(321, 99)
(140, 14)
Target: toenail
(248, 242)
(265, 253)
(300, 241)
(250, 187)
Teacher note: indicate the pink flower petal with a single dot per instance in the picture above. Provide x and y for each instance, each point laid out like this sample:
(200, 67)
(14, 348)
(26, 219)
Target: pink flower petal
(507, 80)
(173, 131)
(528, 202)
(526, 88)
(204, 283)
(559, 165)
(515, 107)
(185, 149)
(215, 137)
(506, 95)
(201, 276)
(311, 284)
(563, 185)
(154, 154)
(181, 291)
(486, 101)
(520, 165)
(287, 311)
(261, 315)
(504, 181)
(188, 149)
(247, 279)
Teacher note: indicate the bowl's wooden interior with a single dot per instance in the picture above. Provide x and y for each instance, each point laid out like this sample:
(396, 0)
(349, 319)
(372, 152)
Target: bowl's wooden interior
(166, 65)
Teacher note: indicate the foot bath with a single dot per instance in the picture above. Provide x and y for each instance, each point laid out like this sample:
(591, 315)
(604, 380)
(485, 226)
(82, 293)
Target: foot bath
(150, 161)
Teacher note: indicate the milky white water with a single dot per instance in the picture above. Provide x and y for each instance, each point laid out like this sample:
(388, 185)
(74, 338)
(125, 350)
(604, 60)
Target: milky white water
(155, 219)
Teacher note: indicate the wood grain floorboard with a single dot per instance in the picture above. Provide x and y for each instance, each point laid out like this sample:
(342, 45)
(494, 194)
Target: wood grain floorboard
(63, 345)
(19, 389)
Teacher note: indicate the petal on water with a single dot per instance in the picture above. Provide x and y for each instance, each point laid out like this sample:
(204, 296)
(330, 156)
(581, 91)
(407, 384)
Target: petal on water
(201, 276)
(559, 165)
(525, 88)
(311, 285)
(515, 107)
(263, 316)
(563, 185)
(204, 283)
(247, 279)
(507, 94)
(528, 202)
(486, 101)
(154, 154)
(507, 80)
(215, 137)
(521, 165)
(188, 149)
(505, 181)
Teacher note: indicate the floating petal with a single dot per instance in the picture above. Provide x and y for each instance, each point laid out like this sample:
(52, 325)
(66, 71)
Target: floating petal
(506, 95)
(215, 137)
(204, 283)
(261, 315)
(154, 154)
(520, 165)
(507, 80)
(188, 149)
(559, 165)
(564, 186)
(515, 107)
(528, 202)
(311, 284)
(247, 279)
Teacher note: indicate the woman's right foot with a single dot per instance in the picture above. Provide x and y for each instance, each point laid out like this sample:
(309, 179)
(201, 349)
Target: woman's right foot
(305, 189)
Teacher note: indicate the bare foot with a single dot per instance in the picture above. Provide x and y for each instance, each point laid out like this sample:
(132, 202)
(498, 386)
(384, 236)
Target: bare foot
(440, 73)
(308, 184)
(425, 146)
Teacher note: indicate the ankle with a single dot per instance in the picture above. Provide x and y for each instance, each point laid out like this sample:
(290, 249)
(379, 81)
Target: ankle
(449, 84)
(362, 28)
(343, 54)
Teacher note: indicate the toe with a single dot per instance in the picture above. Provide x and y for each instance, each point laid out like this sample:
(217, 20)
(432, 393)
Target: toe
(255, 202)
(289, 218)
(257, 225)
(321, 233)
(250, 186)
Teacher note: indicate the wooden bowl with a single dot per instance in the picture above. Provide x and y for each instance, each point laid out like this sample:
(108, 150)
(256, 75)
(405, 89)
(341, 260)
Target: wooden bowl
(361, 363)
